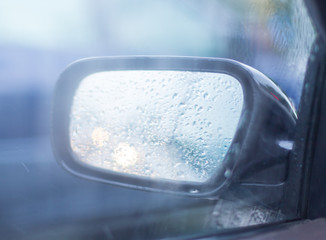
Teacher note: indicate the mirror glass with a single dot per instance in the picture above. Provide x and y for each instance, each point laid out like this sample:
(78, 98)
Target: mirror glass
(174, 125)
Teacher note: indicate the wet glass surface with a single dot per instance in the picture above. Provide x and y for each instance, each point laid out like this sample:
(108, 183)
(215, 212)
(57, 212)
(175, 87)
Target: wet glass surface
(38, 39)
(161, 124)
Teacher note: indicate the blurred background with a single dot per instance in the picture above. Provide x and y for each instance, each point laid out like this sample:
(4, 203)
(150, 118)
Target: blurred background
(38, 39)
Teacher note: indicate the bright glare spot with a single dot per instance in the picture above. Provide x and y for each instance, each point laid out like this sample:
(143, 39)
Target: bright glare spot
(99, 136)
(125, 155)
(288, 145)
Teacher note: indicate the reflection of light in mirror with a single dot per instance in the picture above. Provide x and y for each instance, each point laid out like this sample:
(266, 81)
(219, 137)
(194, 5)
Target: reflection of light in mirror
(173, 125)
(99, 136)
(125, 155)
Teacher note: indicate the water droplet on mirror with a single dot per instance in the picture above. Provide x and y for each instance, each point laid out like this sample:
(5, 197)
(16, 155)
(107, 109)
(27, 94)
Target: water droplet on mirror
(182, 105)
(177, 165)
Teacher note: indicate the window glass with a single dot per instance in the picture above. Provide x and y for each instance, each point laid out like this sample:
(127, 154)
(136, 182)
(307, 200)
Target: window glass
(38, 39)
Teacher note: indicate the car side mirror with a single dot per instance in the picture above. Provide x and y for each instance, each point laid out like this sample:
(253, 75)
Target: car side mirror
(184, 125)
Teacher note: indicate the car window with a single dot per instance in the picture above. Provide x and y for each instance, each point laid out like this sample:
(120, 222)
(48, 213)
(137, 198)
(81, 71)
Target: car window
(39, 39)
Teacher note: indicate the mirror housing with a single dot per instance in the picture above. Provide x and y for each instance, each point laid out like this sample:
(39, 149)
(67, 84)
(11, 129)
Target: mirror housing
(259, 150)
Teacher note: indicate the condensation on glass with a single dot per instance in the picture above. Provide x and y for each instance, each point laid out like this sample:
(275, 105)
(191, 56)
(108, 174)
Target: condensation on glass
(161, 124)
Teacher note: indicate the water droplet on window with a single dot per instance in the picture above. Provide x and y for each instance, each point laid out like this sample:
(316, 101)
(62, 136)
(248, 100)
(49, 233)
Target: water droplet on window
(227, 173)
